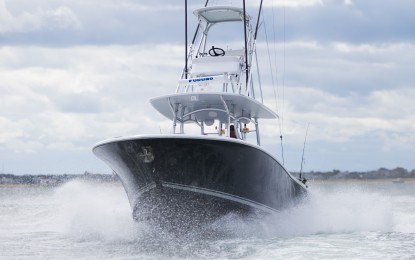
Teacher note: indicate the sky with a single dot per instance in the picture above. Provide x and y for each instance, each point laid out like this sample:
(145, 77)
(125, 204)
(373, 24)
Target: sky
(75, 72)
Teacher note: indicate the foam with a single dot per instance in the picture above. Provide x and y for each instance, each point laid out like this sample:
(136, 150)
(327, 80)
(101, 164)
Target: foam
(90, 211)
(94, 211)
(342, 211)
(323, 212)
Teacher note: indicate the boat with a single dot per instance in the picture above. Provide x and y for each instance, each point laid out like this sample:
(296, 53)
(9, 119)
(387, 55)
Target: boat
(212, 163)
(398, 180)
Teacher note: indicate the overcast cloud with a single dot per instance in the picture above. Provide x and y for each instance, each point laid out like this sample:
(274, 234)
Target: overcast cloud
(75, 72)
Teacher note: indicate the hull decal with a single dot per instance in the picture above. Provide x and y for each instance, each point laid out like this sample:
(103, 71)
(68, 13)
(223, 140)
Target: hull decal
(221, 195)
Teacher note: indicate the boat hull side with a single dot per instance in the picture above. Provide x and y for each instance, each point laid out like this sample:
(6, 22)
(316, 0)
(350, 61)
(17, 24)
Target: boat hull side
(204, 176)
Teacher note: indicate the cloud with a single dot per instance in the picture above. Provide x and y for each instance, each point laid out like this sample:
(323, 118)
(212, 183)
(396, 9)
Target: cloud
(342, 68)
(362, 22)
(345, 132)
(70, 98)
(69, 23)
(73, 73)
(6, 136)
(61, 18)
(74, 97)
(340, 119)
(45, 23)
(292, 3)
(348, 2)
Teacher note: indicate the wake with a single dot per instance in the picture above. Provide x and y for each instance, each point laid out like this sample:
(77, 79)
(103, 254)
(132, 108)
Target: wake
(101, 212)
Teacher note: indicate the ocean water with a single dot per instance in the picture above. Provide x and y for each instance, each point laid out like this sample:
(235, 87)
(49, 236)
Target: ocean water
(338, 220)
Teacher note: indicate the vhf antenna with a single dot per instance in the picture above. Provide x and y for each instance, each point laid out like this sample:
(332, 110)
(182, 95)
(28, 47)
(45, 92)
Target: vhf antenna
(303, 180)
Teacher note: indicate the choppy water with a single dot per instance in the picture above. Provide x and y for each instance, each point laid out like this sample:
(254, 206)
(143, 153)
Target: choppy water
(342, 220)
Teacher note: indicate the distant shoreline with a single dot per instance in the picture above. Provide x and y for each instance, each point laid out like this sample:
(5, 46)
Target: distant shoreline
(383, 180)
(55, 180)
(398, 175)
(381, 173)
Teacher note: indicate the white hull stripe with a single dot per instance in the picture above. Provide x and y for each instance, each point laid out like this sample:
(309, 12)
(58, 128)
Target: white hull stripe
(219, 194)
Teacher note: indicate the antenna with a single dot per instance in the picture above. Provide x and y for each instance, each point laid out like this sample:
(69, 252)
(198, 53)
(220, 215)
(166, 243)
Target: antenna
(303, 180)
(246, 46)
(185, 45)
(257, 22)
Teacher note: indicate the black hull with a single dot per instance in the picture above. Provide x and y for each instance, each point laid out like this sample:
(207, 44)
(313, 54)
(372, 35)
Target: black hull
(184, 181)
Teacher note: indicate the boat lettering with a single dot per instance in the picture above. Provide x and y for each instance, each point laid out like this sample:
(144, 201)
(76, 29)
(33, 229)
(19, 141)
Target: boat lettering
(200, 79)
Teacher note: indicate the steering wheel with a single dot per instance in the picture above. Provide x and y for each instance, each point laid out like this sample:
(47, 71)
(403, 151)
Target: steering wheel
(214, 51)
